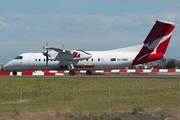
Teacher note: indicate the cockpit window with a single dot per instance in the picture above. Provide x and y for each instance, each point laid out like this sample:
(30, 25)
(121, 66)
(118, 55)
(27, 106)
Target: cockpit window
(19, 57)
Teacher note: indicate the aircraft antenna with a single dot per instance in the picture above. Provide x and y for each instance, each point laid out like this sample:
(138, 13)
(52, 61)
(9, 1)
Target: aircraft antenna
(46, 44)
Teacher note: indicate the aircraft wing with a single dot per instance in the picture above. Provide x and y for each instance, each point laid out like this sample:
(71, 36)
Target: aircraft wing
(71, 54)
(60, 50)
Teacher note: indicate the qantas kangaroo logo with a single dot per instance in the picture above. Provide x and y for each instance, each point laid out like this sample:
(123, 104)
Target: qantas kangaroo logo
(152, 47)
(155, 42)
(77, 55)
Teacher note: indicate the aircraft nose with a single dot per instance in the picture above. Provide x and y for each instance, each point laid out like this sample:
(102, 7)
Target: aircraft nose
(7, 66)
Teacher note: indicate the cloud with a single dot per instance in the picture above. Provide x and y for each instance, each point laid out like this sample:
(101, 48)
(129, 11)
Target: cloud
(30, 31)
(2, 24)
(172, 16)
(54, 25)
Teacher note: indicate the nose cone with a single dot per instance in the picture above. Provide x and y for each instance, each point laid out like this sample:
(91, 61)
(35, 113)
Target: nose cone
(7, 66)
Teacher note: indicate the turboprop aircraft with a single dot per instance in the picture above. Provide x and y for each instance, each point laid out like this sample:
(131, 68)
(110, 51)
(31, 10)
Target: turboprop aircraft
(153, 49)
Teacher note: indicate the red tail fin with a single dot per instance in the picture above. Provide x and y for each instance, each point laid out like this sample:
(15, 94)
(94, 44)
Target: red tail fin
(156, 43)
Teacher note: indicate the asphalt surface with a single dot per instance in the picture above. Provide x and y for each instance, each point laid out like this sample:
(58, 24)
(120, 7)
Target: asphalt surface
(156, 76)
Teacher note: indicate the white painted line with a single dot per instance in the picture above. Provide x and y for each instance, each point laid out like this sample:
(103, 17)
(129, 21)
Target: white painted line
(147, 71)
(53, 71)
(99, 71)
(38, 73)
(82, 71)
(59, 74)
(131, 70)
(114, 71)
(163, 70)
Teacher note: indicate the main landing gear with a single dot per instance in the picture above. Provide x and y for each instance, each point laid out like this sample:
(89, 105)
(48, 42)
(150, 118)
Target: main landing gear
(72, 72)
(88, 72)
(14, 73)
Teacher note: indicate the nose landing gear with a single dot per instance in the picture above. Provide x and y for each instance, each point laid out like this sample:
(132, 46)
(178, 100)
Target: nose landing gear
(14, 73)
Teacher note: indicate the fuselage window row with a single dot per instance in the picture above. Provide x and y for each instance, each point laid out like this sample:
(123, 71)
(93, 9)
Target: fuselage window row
(45, 60)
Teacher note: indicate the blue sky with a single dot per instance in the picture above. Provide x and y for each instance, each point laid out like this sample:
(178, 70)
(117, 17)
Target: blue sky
(26, 25)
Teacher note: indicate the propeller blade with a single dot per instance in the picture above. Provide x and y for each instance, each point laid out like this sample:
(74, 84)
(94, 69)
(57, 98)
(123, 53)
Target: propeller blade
(46, 54)
(47, 61)
(46, 44)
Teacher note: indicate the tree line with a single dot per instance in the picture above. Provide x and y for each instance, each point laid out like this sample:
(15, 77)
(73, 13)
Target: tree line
(171, 64)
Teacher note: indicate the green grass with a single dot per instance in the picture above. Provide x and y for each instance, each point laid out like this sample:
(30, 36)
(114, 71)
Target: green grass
(90, 94)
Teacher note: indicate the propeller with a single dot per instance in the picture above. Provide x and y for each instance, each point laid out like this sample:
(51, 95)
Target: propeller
(46, 54)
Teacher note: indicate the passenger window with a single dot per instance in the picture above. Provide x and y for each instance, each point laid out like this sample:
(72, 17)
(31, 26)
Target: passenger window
(35, 59)
(91, 59)
(39, 60)
(99, 59)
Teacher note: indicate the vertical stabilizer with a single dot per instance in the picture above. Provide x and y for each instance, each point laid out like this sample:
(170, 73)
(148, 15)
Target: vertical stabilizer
(156, 43)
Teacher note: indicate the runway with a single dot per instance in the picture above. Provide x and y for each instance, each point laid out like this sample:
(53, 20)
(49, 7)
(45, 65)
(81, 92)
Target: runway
(140, 76)
(122, 76)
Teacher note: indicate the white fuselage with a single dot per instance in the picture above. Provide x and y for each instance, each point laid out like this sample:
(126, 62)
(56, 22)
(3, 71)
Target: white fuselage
(99, 60)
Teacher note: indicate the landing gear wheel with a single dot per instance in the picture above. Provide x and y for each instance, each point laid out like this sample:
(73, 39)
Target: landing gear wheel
(14, 73)
(72, 72)
(88, 72)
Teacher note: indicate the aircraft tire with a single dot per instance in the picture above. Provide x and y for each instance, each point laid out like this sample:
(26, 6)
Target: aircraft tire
(14, 73)
(88, 72)
(72, 72)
